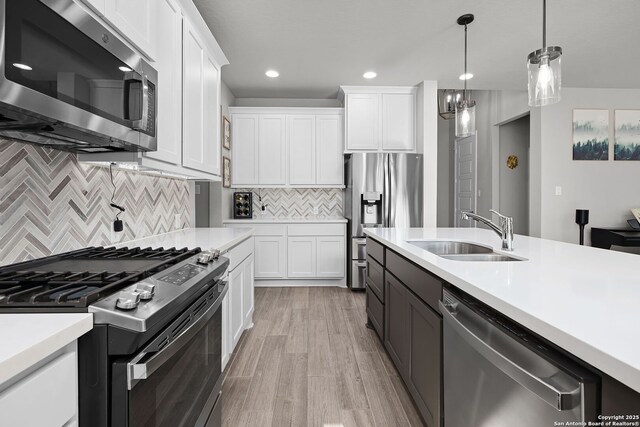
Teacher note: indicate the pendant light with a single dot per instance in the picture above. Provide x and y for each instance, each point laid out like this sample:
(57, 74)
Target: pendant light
(544, 70)
(465, 108)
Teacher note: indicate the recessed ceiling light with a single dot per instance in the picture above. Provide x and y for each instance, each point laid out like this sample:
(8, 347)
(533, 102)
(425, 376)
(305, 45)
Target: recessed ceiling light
(369, 75)
(272, 73)
(467, 76)
(125, 69)
(23, 66)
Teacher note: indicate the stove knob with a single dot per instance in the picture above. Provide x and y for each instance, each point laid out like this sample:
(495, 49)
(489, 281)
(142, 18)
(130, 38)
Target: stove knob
(146, 290)
(128, 300)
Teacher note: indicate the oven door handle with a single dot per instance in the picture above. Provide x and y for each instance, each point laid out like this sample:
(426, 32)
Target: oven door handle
(141, 371)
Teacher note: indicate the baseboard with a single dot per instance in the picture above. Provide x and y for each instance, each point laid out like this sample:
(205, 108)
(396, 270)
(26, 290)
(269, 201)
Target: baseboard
(284, 283)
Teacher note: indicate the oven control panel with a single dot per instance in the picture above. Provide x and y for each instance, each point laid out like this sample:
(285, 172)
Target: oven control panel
(182, 275)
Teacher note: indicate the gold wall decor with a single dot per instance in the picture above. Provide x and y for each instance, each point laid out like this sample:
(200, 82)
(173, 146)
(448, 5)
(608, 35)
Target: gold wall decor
(512, 161)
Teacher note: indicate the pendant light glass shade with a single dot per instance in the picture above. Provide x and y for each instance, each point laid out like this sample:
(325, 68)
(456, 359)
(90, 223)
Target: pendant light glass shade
(465, 118)
(545, 76)
(543, 68)
(465, 108)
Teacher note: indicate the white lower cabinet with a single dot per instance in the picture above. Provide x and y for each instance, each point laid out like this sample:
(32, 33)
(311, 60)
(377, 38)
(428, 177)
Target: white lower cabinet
(47, 397)
(237, 306)
(298, 253)
(270, 257)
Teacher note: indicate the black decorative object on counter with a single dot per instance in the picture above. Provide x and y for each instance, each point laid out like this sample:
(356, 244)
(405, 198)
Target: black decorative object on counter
(242, 205)
(582, 219)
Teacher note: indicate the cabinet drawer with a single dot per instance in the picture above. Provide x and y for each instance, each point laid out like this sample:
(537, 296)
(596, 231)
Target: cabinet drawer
(375, 277)
(423, 284)
(316, 230)
(53, 388)
(267, 229)
(375, 312)
(376, 250)
(239, 253)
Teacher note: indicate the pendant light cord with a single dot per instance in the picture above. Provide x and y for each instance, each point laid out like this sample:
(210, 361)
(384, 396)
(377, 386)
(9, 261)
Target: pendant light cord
(544, 24)
(464, 93)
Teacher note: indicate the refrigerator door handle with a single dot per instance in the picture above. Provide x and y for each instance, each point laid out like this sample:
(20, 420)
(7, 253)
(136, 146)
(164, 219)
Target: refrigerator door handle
(386, 196)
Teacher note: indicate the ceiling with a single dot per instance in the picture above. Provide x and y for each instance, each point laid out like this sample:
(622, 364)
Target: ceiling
(318, 45)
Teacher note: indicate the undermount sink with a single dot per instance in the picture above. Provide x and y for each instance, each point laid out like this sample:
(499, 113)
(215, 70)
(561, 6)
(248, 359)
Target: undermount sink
(491, 257)
(462, 251)
(443, 247)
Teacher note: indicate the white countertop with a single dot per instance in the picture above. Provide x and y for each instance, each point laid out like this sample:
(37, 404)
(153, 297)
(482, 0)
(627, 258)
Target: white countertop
(293, 220)
(204, 238)
(27, 338)
(583, 299)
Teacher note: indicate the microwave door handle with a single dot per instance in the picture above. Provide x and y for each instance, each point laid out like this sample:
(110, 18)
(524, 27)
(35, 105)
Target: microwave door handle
(143, 121)
(141, 371)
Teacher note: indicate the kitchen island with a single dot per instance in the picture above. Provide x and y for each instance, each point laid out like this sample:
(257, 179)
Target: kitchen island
(581, 299)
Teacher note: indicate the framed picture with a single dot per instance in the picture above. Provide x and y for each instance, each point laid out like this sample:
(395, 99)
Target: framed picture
(226, 133)
(590, 134)
(226, 172)
(627, 135)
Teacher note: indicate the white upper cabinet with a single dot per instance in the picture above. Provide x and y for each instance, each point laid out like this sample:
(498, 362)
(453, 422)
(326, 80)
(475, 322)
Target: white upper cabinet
(272, 150)
(398, 121)
(302, 148)
(201, 95)
(329, 147)
(290, 147)
(169, 120)
(136, 20)
(244, 127)
(363, 121)
(380, 118)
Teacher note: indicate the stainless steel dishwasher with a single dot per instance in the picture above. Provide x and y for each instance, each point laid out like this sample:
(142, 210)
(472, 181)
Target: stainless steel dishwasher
(497, 374)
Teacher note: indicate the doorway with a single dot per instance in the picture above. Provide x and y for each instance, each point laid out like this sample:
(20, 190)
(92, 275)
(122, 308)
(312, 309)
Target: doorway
(465, 181)
(514, 173)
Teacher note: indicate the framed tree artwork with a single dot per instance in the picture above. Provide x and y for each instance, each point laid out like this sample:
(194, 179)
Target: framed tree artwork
(226, 172)
(590, 134)
(627, 135)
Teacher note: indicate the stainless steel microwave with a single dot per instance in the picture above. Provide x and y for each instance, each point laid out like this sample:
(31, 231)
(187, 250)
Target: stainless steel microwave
(69, 83)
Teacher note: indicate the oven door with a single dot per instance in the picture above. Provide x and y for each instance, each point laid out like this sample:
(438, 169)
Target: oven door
(60, 65)
(176, 380)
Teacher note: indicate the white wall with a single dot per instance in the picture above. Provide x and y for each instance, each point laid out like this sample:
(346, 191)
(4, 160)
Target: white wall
(446, 132)
(286, 102)
(427, 138)
(607, 188)
(223, 195)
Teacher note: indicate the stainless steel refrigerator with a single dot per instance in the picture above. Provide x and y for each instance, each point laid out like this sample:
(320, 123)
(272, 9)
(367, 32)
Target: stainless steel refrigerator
(381, 190)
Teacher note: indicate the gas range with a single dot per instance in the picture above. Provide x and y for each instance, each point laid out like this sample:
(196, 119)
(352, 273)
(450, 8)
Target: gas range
(157, 317)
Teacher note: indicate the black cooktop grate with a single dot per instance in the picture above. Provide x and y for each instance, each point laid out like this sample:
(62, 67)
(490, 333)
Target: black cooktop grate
(77, 279)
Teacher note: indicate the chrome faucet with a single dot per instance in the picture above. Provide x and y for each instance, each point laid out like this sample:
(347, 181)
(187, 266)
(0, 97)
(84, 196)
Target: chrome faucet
(504, 230)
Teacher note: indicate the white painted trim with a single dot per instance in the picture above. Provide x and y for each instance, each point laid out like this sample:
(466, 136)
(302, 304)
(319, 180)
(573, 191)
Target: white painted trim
(285, 283)
(377, 89)
(287, 110)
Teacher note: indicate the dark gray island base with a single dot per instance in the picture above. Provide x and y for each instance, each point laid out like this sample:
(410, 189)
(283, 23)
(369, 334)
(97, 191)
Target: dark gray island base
(403, 308)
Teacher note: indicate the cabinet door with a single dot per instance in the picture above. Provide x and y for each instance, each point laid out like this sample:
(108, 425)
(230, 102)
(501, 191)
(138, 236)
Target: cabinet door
(301, 130)
(136, 20)
(271, 150)
(245, 149)
(236, 318)
(329, 149)
(301, 257)
(331, 256)
(247, 291)
(211, 123)
(396, 316)
(193, 99)
(269, 257)
(398, 122)
(424, 368)
(169, 66)
(363, 121)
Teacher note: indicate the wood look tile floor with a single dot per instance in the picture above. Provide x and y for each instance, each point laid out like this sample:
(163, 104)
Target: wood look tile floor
(310, 361)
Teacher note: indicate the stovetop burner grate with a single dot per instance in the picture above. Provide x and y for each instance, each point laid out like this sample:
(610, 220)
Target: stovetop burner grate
(77, 279)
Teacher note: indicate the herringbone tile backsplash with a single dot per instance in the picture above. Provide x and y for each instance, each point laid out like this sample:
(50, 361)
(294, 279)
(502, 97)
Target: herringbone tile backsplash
(50, 203)
(297, 202)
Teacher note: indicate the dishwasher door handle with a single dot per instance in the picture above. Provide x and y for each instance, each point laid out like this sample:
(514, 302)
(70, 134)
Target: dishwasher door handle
(559, 399)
